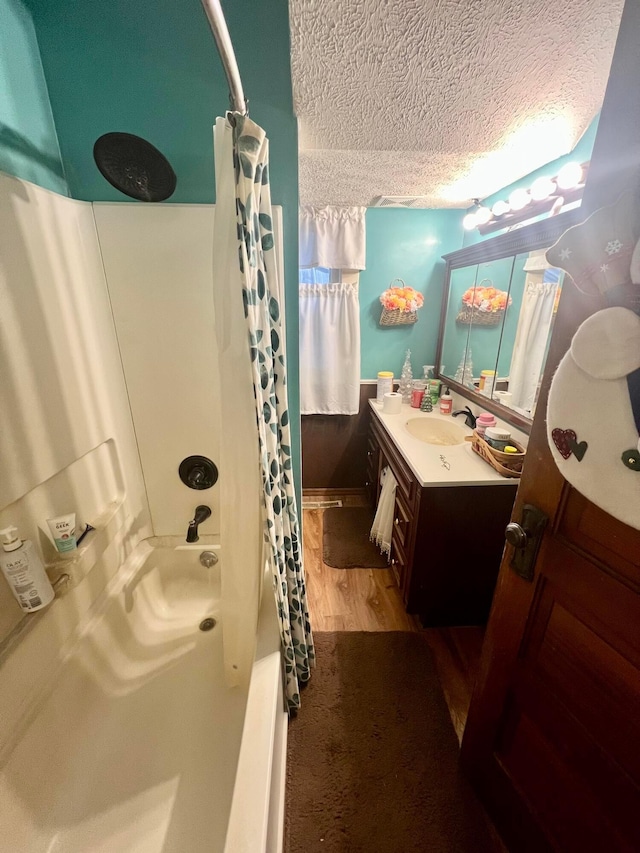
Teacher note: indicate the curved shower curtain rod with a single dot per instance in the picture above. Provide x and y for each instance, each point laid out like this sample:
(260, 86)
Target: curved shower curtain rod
(214, 13)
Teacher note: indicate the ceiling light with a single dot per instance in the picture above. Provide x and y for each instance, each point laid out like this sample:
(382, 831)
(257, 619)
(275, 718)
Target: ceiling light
(483, 215)
(469, 222)
(570, 176)
(519, 199)
(500, 208)
(542, 188)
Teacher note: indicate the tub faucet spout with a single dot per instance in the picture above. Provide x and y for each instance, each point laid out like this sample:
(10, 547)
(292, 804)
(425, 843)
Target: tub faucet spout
(202, 513)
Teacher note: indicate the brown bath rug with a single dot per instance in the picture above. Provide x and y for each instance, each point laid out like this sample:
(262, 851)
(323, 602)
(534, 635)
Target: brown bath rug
(345, 539)
(372, 763)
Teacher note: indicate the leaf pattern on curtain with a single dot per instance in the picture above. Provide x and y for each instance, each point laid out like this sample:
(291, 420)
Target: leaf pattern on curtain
(266, 339)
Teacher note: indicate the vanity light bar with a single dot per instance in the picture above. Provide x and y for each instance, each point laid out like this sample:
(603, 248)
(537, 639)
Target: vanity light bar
(544, 195)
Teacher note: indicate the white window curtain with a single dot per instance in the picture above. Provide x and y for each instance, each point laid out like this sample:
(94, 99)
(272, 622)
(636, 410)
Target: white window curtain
(532, 335)
(332, 240)
(332, 237)
(329, 349)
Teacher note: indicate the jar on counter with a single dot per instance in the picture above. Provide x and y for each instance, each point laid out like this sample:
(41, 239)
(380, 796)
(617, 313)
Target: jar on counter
(418, 387)
(497, 437)
(385, 384)
(483, 421)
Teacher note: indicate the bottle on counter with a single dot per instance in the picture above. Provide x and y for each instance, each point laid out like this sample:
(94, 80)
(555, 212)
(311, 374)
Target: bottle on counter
(385, 384)
(434, 390)
(23, 569)
(417, 392)
(446, 403)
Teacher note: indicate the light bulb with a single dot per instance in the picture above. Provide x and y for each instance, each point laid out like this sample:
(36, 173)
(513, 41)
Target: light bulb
(483, 215)
(569, 176)
(500, 208)
(542, 188)
(519, 199)
(469, 222)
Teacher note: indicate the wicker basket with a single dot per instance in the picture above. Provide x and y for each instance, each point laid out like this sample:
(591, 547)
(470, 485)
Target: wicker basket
(397, 317)
(474, 316)
(507, 464)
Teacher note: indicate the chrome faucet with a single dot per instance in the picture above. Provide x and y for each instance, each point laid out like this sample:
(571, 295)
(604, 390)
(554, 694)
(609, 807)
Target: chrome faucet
(469, 417)
(202, 513)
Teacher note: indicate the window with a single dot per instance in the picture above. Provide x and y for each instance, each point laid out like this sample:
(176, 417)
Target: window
(319, 275)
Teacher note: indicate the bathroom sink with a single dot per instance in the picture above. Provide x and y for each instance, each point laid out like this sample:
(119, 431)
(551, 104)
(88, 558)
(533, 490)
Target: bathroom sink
(430, 431)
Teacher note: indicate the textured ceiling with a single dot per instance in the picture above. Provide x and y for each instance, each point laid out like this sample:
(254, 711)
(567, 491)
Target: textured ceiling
(447, 99)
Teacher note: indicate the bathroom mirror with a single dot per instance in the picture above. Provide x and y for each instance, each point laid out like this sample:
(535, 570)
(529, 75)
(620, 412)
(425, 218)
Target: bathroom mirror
(499, 306)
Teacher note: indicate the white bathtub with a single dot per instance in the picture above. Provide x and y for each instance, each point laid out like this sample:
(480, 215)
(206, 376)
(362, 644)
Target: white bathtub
(135, 743)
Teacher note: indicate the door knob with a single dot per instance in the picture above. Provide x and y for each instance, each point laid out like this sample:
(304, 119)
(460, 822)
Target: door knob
(525, 539)
(515, 535)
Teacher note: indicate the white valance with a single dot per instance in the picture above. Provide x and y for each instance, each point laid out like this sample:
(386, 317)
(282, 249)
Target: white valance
(332, 237)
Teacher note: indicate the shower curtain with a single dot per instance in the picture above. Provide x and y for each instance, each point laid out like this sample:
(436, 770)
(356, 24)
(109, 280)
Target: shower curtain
(255, 255)
(240, 487)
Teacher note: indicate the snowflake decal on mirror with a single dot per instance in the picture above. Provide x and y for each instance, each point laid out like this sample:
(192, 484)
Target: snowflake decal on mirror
(613, 247)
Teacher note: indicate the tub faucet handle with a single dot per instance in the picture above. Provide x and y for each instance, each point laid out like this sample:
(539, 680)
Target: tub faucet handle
(202, 513)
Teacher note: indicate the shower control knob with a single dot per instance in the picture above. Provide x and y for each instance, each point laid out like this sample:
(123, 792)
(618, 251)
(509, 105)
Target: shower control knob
(515, 535)
(198, 472)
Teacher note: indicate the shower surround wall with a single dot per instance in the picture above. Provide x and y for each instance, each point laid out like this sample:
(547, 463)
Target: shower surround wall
(67, 442)
(158, 262)
(151, 68)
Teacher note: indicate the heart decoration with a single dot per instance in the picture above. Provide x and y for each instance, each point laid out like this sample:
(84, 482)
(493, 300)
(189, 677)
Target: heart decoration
(578, 448)
(567, 443)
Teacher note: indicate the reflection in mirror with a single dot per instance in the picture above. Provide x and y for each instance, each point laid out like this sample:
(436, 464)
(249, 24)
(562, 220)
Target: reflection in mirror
(497, 326)
(456, 333)
(491, 304)
(536, 286)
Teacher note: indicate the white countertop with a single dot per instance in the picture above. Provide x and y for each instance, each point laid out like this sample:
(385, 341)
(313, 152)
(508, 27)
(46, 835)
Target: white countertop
(437, 465)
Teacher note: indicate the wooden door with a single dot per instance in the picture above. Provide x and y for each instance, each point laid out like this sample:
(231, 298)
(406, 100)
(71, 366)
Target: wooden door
(552, 742)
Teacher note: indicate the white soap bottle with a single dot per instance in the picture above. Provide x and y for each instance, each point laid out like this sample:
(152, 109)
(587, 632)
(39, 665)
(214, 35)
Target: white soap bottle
(23, 569)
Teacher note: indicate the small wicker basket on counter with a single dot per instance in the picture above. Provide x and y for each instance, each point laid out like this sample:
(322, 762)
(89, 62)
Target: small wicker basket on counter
(507, 464)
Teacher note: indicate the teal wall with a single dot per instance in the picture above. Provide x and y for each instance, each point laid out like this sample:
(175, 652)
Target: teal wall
(28, 141)
(406, 244)
(150, 67)
(581, 153)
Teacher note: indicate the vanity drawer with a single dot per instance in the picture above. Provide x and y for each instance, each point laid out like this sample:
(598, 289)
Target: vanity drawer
(399, 564)
(402, 524)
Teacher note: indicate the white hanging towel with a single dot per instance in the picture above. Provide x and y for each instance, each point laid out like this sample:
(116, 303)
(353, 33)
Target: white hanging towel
(382, 527)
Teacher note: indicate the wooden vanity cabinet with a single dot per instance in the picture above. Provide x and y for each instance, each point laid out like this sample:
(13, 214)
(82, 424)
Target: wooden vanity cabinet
(447, 541)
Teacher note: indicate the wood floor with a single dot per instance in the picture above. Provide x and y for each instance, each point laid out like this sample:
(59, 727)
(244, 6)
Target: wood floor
(369, 600)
